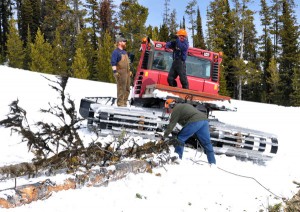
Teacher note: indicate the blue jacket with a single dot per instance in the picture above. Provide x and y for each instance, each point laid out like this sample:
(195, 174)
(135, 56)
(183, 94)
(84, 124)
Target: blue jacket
(180, 48)
(116, 56)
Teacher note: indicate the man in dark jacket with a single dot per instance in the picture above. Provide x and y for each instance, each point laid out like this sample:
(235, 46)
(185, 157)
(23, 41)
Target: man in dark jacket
(180, 47)
(193, 122)
(121, 71)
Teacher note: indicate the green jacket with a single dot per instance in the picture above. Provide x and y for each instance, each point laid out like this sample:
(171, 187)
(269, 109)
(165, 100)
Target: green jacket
(184, 114)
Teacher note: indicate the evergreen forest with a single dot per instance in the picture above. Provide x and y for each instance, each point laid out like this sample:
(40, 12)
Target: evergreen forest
(76, 38)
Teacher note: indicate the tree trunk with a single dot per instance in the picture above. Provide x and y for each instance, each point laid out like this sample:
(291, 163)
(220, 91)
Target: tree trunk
(25, 194)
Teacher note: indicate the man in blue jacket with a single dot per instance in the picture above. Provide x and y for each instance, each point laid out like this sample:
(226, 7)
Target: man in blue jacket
(121, 71)
(180, 47)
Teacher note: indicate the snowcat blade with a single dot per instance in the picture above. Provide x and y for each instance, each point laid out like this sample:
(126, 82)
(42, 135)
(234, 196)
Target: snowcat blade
(184, 93)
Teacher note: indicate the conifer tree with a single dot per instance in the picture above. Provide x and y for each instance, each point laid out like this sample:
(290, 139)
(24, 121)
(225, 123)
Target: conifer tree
(273, 81)
(83, 41)
(41, 55)
(288, 60)
(106, 15)
(5, 14)
(163, 33)
(60, 57)
(183, 23)
(246, 43)
(172, 22)
(191, 12)
(26, 20)
(199, 38)
(53, 15)
(27, 58)
(104, 54)
(92, 6)
(80, 67)
(133, 17)
(36, 13)
(223, 86)
(220, 37)
(166, 15)
(295, 96)
(266, 52)
(94, 29)
(155, 33)
(276, 9)
(14, 45)
(149, 31)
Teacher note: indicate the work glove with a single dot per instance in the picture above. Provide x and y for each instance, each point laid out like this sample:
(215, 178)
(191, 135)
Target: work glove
(116, 75)
(173, 37)
(166, 140)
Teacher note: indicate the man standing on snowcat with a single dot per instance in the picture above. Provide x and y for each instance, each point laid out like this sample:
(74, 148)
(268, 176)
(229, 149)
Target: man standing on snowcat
(121, 71)
(180, 45)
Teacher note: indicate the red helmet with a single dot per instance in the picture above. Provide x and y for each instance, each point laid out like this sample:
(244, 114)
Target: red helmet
(182, 32)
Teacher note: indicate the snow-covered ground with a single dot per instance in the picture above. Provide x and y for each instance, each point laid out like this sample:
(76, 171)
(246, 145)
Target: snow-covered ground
(184, 187)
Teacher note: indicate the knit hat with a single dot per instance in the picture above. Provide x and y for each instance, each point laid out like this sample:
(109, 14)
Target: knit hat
(120, 39)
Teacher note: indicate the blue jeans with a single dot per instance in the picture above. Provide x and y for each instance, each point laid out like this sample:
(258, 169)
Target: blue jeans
(201, 129)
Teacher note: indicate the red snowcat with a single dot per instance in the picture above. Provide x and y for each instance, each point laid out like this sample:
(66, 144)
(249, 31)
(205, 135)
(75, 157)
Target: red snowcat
(146, 117)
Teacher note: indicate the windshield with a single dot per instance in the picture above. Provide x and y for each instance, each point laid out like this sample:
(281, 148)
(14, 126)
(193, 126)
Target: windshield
(195, 66)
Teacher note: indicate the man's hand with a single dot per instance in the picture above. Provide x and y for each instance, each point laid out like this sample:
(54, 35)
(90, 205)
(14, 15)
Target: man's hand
(173, 37)
(116, 75)
(166, 139)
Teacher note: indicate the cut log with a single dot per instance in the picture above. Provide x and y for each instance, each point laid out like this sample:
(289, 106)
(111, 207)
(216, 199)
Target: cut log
(100, 176)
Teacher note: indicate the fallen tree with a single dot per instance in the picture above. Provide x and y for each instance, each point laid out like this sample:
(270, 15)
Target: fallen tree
(58, 149)
(98, 176)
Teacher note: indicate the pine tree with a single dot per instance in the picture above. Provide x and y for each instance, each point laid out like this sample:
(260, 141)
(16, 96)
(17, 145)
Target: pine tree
(27, 58)
(220, 38)
(295, 96)
(36, 13)
(106, 15)
(191, 12)
(152, 32)
(60, 57)
(163, 33)
(266, 52)
(53, 16)
(275, 25)
(166, 15)
(246, 43)
(172, 22)
(104, 55)
(5, 14)
(14, 45)
(41, 55)
(183, 23)
(155, 33)
(199, 38)
(26, 20)
(273, 81)
(92, 19)
(288, 60)
(80, 67)
(77, 16)
(133, 17)
(83, 41)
